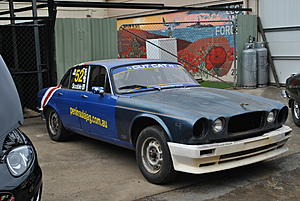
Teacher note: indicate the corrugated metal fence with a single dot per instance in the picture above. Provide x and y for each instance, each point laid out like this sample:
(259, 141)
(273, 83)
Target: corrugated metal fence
(79, 40)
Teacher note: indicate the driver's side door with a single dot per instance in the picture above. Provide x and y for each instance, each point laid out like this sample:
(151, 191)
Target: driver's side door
(99, 108)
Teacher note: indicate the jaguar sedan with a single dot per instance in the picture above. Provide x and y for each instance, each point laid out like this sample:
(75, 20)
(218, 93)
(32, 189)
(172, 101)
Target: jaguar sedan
(156, 108)
(20, 173)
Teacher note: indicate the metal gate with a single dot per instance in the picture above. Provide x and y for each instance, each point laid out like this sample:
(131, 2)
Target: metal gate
(202, 47)
(24, 47)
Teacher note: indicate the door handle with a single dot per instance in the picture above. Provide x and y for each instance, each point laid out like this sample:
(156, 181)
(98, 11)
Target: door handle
(60, 94)
(83, 96)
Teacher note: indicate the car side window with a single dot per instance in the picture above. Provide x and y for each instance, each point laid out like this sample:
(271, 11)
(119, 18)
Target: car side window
(65, 80)
(78, 80)
(99, 78)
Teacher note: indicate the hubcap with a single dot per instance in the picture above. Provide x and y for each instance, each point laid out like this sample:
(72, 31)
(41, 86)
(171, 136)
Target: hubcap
(296, 110)
(152, 155)
(54, 123)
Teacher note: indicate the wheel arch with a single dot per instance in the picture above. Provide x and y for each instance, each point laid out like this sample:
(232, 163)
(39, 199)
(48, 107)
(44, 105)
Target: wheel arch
(290, 103)
(144, 120)
(50, 106)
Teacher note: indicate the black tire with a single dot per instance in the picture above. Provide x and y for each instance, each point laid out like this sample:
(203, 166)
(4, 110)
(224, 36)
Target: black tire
(296, 112)
(153, 156)
(55, 128)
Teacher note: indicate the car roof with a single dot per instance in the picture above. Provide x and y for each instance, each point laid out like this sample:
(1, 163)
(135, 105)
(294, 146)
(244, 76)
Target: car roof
(110, 63)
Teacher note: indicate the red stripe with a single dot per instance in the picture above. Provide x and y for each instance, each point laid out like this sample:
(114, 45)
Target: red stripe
(50, 95)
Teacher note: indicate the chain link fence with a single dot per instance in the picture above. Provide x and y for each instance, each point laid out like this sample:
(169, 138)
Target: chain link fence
(19, 51)
(207, 49)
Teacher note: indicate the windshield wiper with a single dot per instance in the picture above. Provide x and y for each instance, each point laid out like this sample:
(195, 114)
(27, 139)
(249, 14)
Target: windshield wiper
(192, 85)
(137, 86)
(181, 86)
(133, 86)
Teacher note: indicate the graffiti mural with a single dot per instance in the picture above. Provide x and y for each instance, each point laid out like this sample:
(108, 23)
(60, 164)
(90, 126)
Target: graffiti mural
(204, 38)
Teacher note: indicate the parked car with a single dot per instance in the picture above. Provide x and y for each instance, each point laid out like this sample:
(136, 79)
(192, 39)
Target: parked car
(156, 108)
(293, 93)
(20, 173)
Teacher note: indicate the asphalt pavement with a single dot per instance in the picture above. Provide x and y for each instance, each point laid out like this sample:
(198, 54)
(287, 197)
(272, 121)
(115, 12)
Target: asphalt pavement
(84, 169)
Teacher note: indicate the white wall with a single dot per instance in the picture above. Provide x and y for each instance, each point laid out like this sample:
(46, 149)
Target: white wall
(279, 13)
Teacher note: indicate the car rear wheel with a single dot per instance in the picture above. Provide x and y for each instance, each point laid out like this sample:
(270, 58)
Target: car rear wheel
(55, 128)
(153, 156)
(296, 112)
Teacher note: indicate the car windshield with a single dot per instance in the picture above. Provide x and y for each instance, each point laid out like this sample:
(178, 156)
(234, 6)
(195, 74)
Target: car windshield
(151, 77)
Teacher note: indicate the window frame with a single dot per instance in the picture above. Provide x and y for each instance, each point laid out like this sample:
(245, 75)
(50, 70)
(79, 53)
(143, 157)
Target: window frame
(107, 79)
(64, 77)
(69, 73)
(112, 81)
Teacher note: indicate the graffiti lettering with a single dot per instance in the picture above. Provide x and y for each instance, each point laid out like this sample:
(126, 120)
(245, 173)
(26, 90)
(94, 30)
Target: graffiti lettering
(224, 30)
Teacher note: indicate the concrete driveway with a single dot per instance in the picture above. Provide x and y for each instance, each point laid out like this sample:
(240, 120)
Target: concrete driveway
(84, 169)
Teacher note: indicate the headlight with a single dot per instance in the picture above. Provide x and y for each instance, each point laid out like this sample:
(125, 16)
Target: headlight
(19, 160)
(283, 115)
(271, 117)
(218, 125)
(200, 127)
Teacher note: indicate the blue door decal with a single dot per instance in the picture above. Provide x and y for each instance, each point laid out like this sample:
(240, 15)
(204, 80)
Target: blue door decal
(100, 115)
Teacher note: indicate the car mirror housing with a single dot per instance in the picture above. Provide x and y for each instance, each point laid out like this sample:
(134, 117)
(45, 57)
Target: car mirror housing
(98, 90)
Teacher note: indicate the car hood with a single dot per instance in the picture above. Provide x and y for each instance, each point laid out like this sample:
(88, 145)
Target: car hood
(11, 115)
(200, 101)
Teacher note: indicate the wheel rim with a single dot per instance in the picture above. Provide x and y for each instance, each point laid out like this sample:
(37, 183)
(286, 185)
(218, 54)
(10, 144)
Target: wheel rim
(152, 155)
(296, 110)
(53, 123)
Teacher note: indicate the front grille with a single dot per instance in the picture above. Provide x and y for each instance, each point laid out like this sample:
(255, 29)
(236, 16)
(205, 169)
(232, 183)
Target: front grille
(245, 122)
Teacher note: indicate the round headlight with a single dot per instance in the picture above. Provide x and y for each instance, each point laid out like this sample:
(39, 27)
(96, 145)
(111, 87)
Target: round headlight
(218, 125)
(19, 160)
(271, 117)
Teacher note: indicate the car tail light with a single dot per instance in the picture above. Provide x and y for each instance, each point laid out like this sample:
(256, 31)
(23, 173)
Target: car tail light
(6, 197)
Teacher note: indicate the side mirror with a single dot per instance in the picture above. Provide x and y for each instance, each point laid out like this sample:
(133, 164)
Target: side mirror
(98, 90)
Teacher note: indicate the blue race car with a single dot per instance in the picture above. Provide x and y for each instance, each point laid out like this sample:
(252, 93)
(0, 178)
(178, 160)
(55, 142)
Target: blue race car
(156, 108)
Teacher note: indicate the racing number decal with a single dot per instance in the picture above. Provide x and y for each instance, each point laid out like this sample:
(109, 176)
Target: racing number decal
(79, 78)
(79, 75)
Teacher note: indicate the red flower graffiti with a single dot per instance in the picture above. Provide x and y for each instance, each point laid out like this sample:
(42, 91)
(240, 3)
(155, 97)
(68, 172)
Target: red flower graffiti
(216, 57)
(230, 54)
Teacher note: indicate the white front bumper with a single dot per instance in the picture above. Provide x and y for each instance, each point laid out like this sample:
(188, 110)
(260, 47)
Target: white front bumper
(206, 158)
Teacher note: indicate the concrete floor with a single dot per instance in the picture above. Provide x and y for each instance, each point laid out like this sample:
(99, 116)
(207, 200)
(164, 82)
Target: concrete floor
(84, 169)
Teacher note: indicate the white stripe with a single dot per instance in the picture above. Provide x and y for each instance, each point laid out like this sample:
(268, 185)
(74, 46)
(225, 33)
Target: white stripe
(51, 96)
(46, 94)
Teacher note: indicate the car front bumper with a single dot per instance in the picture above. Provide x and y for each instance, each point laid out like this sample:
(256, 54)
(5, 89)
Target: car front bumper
(26, 188)
(199, 159)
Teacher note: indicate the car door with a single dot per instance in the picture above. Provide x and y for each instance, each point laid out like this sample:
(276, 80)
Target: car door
(99, 108)
(68, 98)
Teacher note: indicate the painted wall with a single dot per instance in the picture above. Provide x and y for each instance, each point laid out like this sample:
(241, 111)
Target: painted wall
(209, 46)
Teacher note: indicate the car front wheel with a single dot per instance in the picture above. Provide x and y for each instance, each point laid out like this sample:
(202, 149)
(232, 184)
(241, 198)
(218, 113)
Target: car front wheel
(55, 128)
(153, 155)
